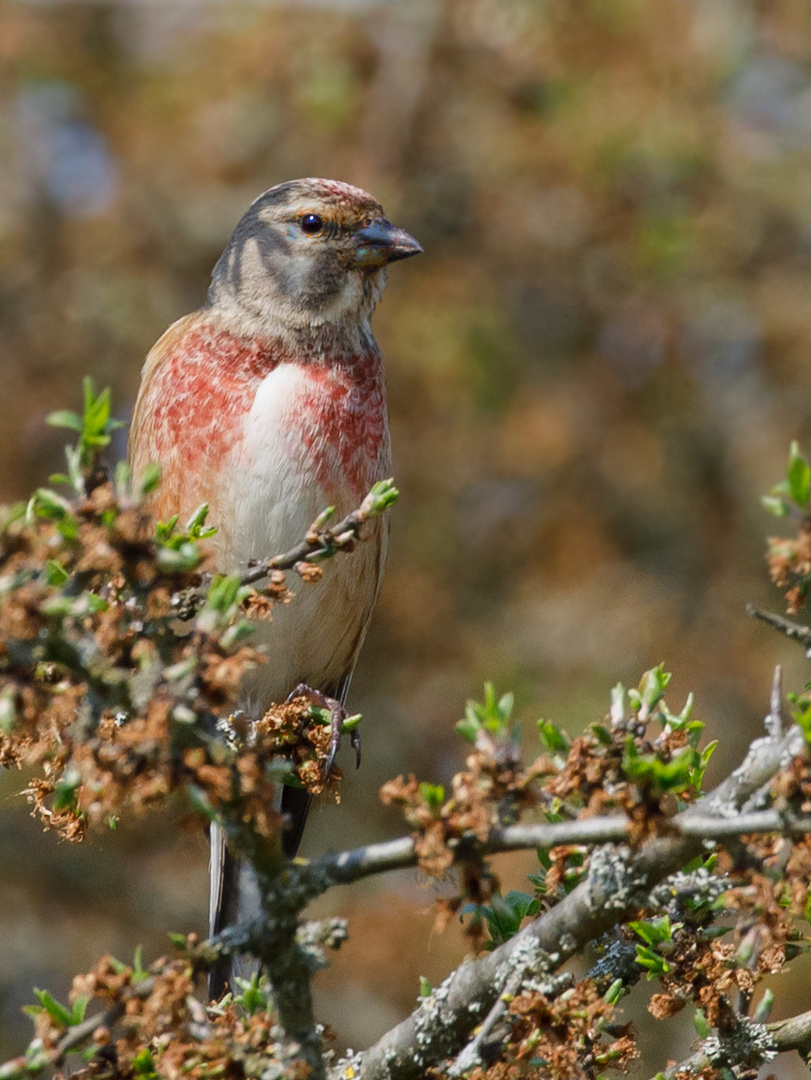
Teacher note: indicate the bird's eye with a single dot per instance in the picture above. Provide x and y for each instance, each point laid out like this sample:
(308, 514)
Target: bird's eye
(311, 224)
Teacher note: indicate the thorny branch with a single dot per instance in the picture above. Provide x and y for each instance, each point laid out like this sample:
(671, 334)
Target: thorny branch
(617, 885)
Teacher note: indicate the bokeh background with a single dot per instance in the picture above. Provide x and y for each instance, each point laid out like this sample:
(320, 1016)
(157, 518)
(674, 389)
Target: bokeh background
(595, 371)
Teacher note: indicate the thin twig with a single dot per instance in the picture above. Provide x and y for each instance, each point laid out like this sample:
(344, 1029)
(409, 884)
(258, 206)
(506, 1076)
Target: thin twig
(347, 867)
(774, 721)
(471, 1055)
(789, 629)
(319, 543)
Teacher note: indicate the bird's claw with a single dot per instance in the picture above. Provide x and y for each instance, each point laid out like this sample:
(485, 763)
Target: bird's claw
(337, 715)
(354, 742)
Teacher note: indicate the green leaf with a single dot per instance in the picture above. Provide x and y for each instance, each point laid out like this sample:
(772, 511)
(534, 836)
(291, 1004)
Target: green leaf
(178, 560)
(553, 738)
(775, 505)
(143, 1064)
(241, 631)
(492, 716)
(434, 797)
(65, 790)
(425, 988)
(223, 593)
(798, 476)
(59, 1013)
(653, 932)
(618, 702)
(56, 573)
(764, 1007)
(66, 419)
(802, 716)
(651, 689)
(150, 478)
(139, 972)
(195, 526)
(8, 710)
(697, 773)
(614, 993)
(80, 1008)
(702, 1027)
(654, 964)
(677, 721)
(382, 495)
(165, 529)
(538, 882)
(254, 995)
(504, 914)
(650, 772)
(48, 504)
(68, 528)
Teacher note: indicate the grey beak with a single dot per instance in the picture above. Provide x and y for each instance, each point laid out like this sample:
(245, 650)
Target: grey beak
(380, 242)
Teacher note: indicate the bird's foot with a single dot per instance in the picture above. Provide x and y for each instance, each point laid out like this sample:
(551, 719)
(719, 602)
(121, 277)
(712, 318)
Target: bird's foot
(337, 716)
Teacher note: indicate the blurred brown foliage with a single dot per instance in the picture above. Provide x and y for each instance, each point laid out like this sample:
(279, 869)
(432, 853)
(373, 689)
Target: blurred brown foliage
(594, 371)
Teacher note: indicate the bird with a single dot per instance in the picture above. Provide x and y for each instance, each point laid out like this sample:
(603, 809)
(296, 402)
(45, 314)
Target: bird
(268, 403)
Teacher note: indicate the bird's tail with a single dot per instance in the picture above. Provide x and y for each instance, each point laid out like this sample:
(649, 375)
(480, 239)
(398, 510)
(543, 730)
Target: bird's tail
(234, 896)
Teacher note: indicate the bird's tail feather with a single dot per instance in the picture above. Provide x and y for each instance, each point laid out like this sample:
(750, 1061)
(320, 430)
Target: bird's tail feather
(234, 895)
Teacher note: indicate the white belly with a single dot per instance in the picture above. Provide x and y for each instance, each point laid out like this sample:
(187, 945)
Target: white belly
(275, 487)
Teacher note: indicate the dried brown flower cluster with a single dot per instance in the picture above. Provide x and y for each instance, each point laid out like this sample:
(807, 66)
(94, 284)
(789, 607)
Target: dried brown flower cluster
(151, 1024)
(789, 563)
(563, 1038)
(493, 787)
(105, 694)
(645, 764)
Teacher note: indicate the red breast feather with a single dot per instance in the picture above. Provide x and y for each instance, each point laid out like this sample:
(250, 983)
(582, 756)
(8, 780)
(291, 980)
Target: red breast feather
(269, 443)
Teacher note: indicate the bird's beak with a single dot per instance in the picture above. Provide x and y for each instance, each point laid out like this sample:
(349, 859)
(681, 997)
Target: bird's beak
(380, 242)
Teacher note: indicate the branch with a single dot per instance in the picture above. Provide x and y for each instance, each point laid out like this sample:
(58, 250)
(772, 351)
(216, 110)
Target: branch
(346, 867)
(318, 544)
(776, 1038)
(273, 940)
(321, 543)
(617, 885)
(792, 1034)
(793, 631)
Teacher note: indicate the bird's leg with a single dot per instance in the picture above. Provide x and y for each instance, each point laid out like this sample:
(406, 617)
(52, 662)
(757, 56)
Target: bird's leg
(337, 714)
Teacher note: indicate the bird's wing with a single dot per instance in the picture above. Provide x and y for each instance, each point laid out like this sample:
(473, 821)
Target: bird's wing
(142, 414)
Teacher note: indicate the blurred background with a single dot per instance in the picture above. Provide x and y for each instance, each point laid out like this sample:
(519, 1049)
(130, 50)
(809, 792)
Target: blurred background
(595, 371)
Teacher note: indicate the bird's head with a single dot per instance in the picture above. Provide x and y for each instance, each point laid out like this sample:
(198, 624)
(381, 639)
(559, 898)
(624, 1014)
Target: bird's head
(308, 256)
